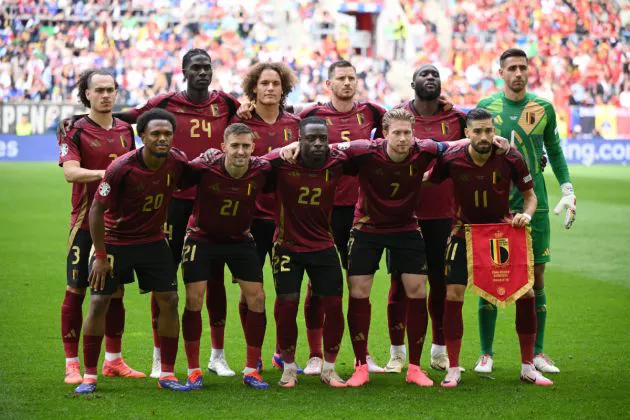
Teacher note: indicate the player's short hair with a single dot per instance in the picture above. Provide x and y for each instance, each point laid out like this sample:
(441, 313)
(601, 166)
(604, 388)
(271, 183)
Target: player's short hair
(84, 84)
(287, 79)
(339, 64)
(237, 129)
(312, 120)
(191, 53)
(511, 52)
(398, 114)
(478, 114)
(154, 114)
(419, 69)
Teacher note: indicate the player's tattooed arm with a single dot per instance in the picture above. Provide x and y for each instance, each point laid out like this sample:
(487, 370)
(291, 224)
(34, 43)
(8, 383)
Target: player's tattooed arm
(529, 207)
(74, 173)
(101, 267)
(210, 155)
(290, 152)
(66, 124)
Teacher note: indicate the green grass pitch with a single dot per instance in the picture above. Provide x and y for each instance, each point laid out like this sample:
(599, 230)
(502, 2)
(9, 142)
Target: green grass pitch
(588, 290)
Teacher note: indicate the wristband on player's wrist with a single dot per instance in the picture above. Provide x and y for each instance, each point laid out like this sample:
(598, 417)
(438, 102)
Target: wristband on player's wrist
(100, 254)
(527, 216)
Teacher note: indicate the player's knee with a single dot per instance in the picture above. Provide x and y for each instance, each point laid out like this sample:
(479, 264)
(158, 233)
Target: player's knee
(119, 293)
(99, 305)
(455, 294)
(256, 299)
(167, 301)
(194, 300)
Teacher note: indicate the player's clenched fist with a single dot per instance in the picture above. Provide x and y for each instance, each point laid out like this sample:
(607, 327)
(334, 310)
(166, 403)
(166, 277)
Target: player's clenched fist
(568, 203)
(521, 220)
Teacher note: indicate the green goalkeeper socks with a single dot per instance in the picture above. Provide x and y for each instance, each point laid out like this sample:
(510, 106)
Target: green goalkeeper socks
(541, 319)
(487, 324)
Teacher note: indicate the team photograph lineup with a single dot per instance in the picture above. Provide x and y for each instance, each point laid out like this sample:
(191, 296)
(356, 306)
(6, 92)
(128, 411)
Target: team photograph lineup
(318, 192)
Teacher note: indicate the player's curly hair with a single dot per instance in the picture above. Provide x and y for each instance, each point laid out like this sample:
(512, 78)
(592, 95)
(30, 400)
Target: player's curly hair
(287, 78)
(84, 84)
(398, 114)
(154, 114)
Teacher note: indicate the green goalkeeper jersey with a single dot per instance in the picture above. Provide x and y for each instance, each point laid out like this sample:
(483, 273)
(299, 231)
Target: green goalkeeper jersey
(529, 124)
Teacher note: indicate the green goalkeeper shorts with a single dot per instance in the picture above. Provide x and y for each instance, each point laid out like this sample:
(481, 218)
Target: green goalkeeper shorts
(541, 237)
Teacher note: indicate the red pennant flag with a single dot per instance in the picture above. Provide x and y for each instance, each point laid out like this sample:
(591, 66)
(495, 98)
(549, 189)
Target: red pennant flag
(500, 262)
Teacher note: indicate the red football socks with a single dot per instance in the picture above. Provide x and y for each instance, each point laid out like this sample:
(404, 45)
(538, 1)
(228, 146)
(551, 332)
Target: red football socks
(333, 327)
(169, 352)
(287, 328)
(216, 302)
(91, 352)
(526, 328)
(254, 335)
(396, 311)
(417, 320)
(114, 325)
(71, 323)
(191, 329)
(453, 330)
(314, 318)
(359, 316)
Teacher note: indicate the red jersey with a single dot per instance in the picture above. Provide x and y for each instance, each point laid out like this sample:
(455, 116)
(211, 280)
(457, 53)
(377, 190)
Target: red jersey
(304, 202)
(224, 206)
(438, 201)
(483, 192)
(358, 123)
(266, 138)
(94, 148)
(137, 198)
(200, 126)
(389, 190)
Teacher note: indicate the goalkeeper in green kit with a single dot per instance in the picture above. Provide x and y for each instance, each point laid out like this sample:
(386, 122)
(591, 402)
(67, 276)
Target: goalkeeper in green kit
(530, 123)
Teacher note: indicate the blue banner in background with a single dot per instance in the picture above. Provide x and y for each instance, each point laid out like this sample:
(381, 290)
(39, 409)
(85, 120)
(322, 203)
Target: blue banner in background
(37, 148)
(44, 148)
(597, 151)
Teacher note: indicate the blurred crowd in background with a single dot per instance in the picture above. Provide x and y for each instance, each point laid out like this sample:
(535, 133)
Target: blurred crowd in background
(580, 50)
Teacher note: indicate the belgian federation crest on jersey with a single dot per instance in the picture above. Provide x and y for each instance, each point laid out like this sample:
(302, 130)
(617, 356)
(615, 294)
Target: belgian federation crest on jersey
(215, 110)
(288, 135)
(500, 251)
(64, 150)
(360, 118)
(104, 189)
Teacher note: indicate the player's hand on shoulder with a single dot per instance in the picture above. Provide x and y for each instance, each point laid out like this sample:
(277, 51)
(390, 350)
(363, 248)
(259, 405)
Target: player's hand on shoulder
(445, 102)
(502, 144)
(521, 220)
(290, 152)
(567, 202)
(64, 126)
(98, 275)
(210, 155)
(245, 111)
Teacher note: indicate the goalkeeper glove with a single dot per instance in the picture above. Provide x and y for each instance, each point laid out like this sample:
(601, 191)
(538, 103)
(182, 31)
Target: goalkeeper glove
(567, 202)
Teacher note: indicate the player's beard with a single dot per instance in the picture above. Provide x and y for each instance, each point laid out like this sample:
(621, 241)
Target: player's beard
(482, 148)
(426, 95)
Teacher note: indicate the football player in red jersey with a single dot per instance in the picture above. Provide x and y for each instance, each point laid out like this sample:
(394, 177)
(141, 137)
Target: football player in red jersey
(305, 192)
(347, 119)
(435, 211)
(126, 221)
(85, 152)
(202, 115)
(267, 86)
(219, 232)
(474, 168)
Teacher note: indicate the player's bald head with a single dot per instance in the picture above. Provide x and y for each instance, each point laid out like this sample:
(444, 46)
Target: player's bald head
(422, 68)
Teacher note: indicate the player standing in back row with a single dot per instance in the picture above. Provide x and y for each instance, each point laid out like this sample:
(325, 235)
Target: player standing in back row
(530, 123)
(347, 120)
(435, 211)
(85, 152)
